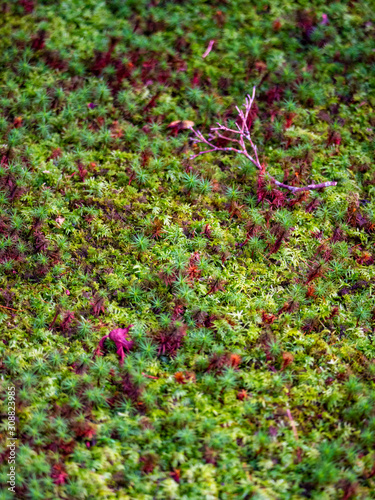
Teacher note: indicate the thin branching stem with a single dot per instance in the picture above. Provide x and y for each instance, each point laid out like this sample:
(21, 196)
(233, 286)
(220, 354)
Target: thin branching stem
(245, 136)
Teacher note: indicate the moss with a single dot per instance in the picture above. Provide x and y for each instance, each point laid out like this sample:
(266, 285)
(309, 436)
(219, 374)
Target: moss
(252, 365)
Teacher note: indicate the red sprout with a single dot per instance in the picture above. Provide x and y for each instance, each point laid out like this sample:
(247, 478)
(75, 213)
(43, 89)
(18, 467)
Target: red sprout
(39, 41)
(59, 474)
(103, 59)
(268, 318)
(82, 172)
(207, 231)
(170, 341)
(68, 318)
(97, 305)
(28, 5)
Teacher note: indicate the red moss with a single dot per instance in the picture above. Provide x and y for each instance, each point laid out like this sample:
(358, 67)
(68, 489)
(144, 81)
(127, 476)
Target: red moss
(84, 429)
(184, 377)
(207, 231)
(171, 340)
(59, 474)
(157, 230)
(274, 94)
(276, 25)
(234, 360)
(288, 307)
(65, 448)
(178, 311)
(54, 60)
(334, 138)
(310, 291)
(120, 336)
(312, 206)
(40, 241)
(68, 318)
(275, 197)
(289, 117)
(268, 318)
(216, 285)
(288, 358)
(316, 272)
(129, 389)
(28, 5)
(175, 474)
(97, 305)
(219, 362)
(82, 171)
(123, 71)
(193, 272)
(103, 59)
(148, 462)
(242, 394)
(56, 153)
(365, 259)
(282, 235)
(39, 41)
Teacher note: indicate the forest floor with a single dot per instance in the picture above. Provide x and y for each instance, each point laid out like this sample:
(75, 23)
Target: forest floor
(249, 367)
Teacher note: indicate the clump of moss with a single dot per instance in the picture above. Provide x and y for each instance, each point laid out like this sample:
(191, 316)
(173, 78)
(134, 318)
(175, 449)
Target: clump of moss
(252, 359)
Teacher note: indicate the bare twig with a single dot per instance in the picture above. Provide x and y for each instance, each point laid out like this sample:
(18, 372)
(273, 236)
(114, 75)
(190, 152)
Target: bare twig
(243, 136)
(150, 376)
(10, 308)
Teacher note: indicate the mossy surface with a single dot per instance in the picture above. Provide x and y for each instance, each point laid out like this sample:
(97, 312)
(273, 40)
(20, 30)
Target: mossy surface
(253, 366)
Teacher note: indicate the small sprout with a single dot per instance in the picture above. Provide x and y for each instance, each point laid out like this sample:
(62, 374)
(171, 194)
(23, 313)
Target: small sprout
(233, 193)
(205, 186)
(141, 242)
(191, 181)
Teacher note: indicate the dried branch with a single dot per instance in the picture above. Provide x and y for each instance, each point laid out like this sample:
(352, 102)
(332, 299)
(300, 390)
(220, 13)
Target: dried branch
(10, 308)
(243, 134)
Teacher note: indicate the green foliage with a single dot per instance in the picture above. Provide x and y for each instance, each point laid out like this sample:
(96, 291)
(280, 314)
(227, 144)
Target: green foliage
(246, 302)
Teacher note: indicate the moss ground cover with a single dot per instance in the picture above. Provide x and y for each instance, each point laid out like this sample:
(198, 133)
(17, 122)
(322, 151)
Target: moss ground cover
(251, 363)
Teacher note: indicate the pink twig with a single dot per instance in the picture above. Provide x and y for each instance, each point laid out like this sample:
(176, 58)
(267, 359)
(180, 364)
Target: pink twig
(209, 48)
(244, 135)
(294, 189)
(11, 308)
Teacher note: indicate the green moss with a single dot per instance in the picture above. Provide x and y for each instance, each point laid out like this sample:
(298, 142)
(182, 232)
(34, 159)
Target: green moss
(241, 309)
